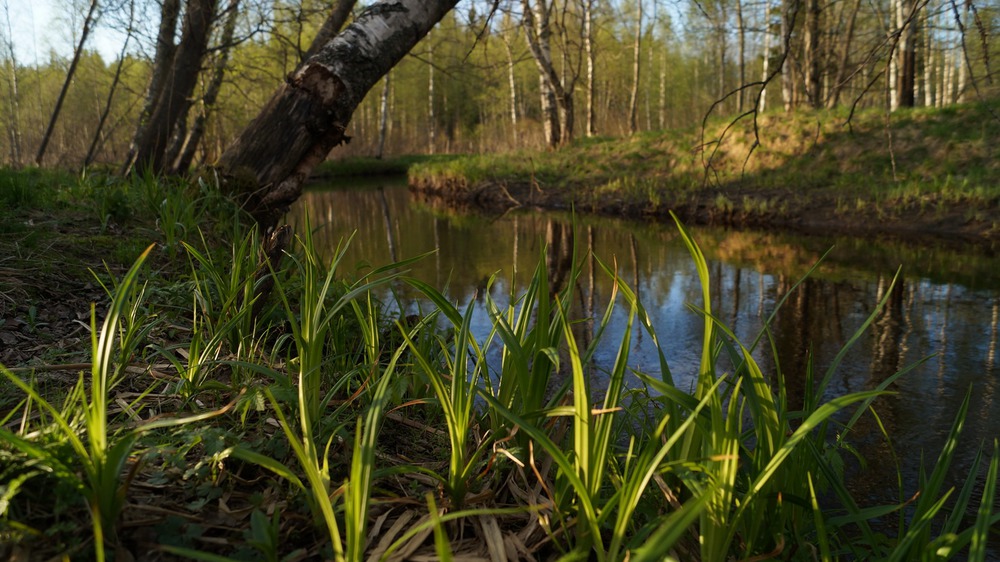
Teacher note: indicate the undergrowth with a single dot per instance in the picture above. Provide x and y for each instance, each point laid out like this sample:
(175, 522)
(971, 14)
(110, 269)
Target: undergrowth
(324, 424)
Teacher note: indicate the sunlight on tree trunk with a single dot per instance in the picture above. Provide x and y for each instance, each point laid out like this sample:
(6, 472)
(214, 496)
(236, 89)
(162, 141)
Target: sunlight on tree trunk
(633, 103)
(307, 116)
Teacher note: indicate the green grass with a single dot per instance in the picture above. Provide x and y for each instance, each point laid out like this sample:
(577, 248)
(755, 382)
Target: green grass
(366, 166)
(330, 427)
(939, 160)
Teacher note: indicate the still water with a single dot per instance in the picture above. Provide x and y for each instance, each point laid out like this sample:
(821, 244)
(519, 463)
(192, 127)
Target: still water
(944, 310)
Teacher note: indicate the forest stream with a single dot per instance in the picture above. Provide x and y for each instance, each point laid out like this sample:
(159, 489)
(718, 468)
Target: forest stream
(941, 319)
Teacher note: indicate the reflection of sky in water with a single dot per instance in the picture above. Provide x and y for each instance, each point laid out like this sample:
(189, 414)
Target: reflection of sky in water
(750, 275)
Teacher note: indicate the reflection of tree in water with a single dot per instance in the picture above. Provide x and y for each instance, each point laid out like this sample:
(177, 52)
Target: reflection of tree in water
(558, 254)
(793, 337)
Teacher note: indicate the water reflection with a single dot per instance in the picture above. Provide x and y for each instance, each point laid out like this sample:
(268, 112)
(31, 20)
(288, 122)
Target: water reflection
(945, 305)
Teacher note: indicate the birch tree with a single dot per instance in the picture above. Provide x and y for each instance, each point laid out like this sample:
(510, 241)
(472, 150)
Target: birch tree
(266, 166)
(633, 103)
(556, 97)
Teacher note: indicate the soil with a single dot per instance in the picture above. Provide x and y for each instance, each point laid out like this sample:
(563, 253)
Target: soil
(800, 210)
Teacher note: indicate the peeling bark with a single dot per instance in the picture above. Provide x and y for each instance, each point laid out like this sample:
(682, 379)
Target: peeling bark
(308, 114)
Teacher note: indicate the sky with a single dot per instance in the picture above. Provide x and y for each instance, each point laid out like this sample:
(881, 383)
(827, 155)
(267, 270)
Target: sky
(39, 26)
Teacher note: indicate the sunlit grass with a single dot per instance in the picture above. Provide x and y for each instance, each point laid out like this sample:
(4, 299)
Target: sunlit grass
(531, 448)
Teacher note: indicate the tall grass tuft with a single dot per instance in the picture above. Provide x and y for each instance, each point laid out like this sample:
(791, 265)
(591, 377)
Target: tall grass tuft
(315, 317)
(95, 460)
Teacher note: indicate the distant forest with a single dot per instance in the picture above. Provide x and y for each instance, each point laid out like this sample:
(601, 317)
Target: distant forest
(490, 77)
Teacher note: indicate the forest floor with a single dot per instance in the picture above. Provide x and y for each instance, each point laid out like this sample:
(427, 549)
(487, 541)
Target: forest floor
(921, 174)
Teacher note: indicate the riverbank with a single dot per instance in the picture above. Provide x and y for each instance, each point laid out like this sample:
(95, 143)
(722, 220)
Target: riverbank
(152, 409)
(924, 174)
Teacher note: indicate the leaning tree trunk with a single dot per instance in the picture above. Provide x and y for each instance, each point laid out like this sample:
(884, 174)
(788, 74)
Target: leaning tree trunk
(92, 151)
(267, 164)
(13, 101)
(331, 26)
(88, 23)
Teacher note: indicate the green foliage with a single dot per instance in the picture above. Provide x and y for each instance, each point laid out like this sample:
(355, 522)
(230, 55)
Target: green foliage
(636, 469)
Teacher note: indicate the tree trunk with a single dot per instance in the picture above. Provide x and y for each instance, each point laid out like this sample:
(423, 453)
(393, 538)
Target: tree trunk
(193, 138)
(633, 100)
(88, 22)
(742, 40)
(960, 57)
(928, 58)
(557, 100)
(720, 29)
(383, 117)
(663, 91)
(174, 103)
(845, 57)
(163, 60)
(306, 118)
(588, 47)
(905, 55)
(812, 62)
(767, 56)
(89, 158)
(787, 78)
(13, 102)
(331, 26)
(512, 84)
(431, 117)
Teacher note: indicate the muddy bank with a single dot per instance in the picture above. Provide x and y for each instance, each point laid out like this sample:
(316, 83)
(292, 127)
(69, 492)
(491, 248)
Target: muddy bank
(807, 211)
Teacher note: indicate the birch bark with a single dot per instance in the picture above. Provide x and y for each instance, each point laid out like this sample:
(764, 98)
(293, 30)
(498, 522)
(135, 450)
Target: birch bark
(308, 114)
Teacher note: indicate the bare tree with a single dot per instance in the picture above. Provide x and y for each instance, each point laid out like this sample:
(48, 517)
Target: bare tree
(843, 60)
(13, 100)
(88, 23)
(92, 150)
(557, 94)
(633, 100)
(308, 114)
(588, 46)
(174, 101)
(193, 137)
